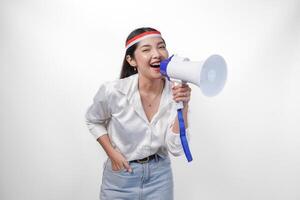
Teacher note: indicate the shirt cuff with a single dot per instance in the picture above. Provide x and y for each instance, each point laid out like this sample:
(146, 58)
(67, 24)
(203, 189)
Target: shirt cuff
(175, 137)
(174, 143)
(97, 130)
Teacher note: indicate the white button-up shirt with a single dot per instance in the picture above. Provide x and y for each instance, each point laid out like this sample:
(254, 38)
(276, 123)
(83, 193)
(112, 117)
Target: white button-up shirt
(117, 111)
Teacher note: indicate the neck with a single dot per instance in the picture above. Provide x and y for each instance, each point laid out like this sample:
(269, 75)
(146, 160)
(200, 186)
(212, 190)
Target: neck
(151, 86)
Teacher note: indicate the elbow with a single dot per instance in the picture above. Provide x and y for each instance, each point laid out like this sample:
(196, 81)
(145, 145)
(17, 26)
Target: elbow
(177, 153)
(175, 149)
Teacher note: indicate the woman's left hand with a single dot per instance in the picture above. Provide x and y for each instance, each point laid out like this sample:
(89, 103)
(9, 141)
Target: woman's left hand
(181, 92)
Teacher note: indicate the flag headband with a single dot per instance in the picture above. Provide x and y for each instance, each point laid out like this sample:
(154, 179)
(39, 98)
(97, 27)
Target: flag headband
(138, 38)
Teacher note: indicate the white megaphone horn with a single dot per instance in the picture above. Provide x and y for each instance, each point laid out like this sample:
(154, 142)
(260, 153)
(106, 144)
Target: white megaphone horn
(210, 75)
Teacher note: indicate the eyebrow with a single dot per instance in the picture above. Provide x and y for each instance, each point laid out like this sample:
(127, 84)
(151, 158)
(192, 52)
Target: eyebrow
(148, 45)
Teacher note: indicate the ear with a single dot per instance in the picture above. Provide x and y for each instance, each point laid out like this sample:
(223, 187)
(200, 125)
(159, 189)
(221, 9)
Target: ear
(131, 61)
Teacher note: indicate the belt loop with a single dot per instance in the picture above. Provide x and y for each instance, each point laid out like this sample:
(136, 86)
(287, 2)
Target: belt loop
(156, 158)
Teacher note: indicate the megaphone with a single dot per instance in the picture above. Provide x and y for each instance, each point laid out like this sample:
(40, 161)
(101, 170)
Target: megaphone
(210, 74)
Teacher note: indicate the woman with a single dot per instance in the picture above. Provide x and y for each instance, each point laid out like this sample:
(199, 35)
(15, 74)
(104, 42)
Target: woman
(135, 121)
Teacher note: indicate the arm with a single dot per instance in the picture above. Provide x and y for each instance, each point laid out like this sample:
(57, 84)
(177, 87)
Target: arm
(175, 127)
(104, 141)
(97, 117)
(180, 93)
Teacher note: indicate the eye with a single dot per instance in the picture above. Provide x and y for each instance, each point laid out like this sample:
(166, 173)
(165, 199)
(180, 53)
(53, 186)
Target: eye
(162, 47)
(145, 50)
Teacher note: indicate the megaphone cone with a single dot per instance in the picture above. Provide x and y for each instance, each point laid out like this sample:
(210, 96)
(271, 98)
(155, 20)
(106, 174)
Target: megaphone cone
(210, 75)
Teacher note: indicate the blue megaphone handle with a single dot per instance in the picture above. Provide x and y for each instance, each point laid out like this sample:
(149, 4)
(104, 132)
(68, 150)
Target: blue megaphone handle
(183, 138)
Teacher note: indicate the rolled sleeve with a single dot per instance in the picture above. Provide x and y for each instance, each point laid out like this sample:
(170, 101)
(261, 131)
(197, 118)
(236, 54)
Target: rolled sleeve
(98, 114)
(174, 143)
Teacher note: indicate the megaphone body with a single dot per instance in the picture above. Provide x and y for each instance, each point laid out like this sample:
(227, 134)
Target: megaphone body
(210, 75)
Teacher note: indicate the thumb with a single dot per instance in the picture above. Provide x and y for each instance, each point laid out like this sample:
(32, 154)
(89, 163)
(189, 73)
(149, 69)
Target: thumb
(127, 166)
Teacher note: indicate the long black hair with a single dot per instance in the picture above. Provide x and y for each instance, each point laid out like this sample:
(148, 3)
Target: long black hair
(127, 69)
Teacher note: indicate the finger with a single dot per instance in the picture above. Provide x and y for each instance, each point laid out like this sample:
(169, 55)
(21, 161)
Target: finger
(182, 94)
(178, 92)
(184, 85)
(181, 89)
(178, 85)
(179, 95)
(173, 85)
(127, 166)
(114, 167)
(117, 166)
(183, 99)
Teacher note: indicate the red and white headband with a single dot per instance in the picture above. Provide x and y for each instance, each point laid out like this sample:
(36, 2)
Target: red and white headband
(140, 37)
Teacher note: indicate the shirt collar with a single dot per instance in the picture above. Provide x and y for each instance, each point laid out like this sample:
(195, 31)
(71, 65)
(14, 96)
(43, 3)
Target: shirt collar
(129, 87)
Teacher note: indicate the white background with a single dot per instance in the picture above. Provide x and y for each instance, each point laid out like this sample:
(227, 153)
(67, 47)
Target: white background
(55, 54)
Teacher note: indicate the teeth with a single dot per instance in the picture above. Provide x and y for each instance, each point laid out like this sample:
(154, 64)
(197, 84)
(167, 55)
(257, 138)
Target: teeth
(155, 65)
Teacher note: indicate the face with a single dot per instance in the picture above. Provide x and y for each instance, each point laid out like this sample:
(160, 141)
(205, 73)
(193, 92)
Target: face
(147, 57)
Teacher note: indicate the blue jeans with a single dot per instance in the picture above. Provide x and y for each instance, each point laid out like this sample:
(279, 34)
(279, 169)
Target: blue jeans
(148, 181)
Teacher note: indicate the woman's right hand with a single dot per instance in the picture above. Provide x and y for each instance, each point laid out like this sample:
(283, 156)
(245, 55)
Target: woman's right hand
(118, 161)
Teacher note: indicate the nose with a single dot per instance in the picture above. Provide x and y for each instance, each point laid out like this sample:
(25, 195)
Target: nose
(156, 53)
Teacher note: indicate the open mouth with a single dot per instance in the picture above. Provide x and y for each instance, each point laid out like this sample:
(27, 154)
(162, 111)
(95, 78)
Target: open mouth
(155, 65)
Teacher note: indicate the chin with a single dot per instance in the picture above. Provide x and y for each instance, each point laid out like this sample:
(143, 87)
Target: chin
(158, 76)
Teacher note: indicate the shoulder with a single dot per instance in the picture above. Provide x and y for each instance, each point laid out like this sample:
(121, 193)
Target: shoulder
(123, 86)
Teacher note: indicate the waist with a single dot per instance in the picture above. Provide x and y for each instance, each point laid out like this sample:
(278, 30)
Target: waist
(146, 159)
